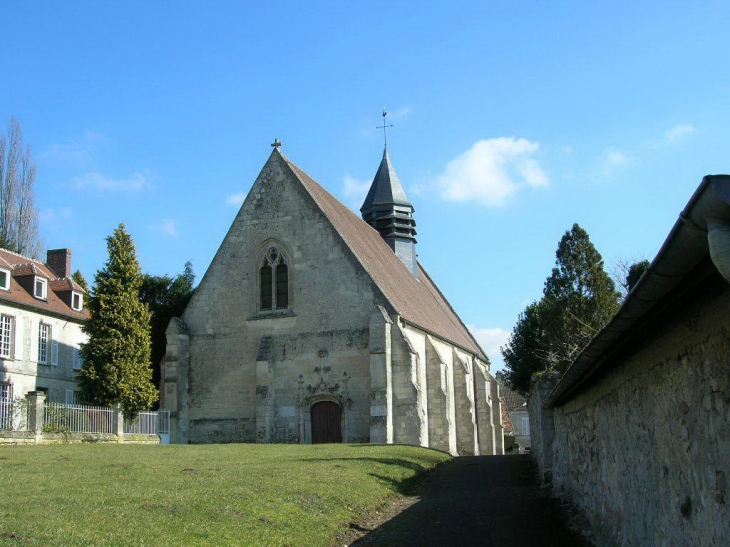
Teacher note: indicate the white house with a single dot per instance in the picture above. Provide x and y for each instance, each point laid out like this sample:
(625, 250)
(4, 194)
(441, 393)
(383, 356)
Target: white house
(41, 315)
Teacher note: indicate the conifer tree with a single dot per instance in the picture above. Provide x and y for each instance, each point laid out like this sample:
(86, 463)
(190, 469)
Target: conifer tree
(79, 278)
(579, 298)
(166, 298)
(117, 355)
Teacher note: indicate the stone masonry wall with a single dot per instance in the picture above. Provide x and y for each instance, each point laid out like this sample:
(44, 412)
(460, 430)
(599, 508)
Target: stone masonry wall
(237, 389)
(645, 452)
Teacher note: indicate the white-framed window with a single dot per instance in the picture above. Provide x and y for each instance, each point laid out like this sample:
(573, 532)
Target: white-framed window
(44, 337)
(4, 279)
(7, 336)
(78, 360)
(525, 426)
(77, 301)
(40, 288)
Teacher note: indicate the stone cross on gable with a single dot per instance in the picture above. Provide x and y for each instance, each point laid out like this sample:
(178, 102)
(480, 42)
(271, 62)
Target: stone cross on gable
(276, 143)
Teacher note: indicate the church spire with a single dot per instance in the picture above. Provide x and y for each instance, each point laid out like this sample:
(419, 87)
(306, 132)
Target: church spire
(387, 209)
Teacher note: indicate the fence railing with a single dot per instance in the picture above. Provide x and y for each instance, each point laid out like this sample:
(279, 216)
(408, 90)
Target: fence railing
(34, 415)
(149, 423)
(13, 414)
(7, 413)
(63, 418)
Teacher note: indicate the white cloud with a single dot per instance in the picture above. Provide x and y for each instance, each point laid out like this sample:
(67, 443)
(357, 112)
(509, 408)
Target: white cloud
(492, 171)
(136, 182)
(78, 152)
(677, 133)
(355, 191)
(491, 340)
(92, 136)
(236, 200)
(611, 160)
(167, 227)
(67, 153)
(51, 216)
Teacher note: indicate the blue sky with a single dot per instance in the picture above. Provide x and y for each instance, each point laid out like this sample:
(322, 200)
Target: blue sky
(512, 121)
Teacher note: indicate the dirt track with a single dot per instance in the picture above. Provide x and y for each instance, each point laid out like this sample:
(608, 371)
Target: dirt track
(472, 501)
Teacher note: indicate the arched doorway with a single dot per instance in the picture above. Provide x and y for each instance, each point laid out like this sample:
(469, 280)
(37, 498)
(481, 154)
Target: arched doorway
(326, 422)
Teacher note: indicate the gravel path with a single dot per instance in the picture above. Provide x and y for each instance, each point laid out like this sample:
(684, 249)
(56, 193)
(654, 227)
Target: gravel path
(470, 501)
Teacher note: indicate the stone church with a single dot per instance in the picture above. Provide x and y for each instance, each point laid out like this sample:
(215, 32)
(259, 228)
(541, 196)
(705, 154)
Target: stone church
(313, 325)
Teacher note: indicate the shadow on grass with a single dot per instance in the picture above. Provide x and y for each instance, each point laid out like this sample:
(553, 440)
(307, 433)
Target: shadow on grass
(404, 487)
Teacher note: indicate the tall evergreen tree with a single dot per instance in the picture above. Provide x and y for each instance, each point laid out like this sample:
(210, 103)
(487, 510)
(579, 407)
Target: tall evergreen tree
(117, 355)
(79, 278)
(525, 352)
(166, 298)
(579, 298)
(636, 270)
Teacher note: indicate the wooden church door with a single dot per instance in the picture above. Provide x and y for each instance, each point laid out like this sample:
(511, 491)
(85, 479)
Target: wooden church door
(326, 423)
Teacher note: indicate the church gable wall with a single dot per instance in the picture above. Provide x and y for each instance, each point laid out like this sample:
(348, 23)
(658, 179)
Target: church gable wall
(235, 393)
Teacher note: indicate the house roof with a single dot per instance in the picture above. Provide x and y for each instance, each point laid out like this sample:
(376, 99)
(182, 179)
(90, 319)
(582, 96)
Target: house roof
(513, 400)
(20, 294)
(506, 420)
(701, 233)
(418, 302)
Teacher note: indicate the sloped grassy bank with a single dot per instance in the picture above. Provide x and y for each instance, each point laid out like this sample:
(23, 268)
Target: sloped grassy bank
(234, 494)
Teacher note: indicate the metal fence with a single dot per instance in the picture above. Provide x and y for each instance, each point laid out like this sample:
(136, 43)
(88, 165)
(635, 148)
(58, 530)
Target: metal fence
(62, 418)
(149, 423)
(7, 412)
(69, 418)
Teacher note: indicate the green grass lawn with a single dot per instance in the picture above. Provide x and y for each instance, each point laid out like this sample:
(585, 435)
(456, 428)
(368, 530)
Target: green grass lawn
(233, 494)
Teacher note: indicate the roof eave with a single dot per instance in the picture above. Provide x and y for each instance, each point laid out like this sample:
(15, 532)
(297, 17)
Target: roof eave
(685, 246)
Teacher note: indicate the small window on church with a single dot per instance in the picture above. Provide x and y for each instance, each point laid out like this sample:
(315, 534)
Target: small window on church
(274, 277)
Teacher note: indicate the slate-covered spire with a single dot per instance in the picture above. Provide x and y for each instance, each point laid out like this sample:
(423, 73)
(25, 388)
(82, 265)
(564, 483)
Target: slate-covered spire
(387, 209)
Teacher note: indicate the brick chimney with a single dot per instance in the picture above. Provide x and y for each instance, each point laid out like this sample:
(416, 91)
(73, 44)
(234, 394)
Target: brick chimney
(59, 260)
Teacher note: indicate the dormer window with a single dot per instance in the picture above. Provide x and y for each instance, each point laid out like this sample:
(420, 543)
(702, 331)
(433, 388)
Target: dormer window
(40, 288)
(77, 301)
(4, 279)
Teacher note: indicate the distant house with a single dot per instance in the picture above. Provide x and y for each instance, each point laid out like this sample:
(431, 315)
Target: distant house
(516, 408)
(637, 431)
(41, 314)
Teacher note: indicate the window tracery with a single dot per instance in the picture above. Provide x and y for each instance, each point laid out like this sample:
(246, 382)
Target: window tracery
(274, 281)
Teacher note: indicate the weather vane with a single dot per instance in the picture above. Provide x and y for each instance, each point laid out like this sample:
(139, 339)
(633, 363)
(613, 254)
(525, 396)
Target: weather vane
(385, 137)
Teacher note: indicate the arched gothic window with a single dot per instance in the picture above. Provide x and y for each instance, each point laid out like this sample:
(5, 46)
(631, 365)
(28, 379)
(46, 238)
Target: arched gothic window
(274, 276)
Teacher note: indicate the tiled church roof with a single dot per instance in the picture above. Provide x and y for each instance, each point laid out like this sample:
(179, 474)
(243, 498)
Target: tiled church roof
(419, 303)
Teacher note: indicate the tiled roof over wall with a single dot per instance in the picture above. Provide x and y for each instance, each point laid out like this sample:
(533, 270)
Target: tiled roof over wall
(506, 420)
(513, 400)
(21, 267)
(420, 303)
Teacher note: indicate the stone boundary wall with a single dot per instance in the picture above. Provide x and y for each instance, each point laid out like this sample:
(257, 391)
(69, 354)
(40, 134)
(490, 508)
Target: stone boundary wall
(33, 431)
(645, 451)
(29, 437)
(542, 428)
